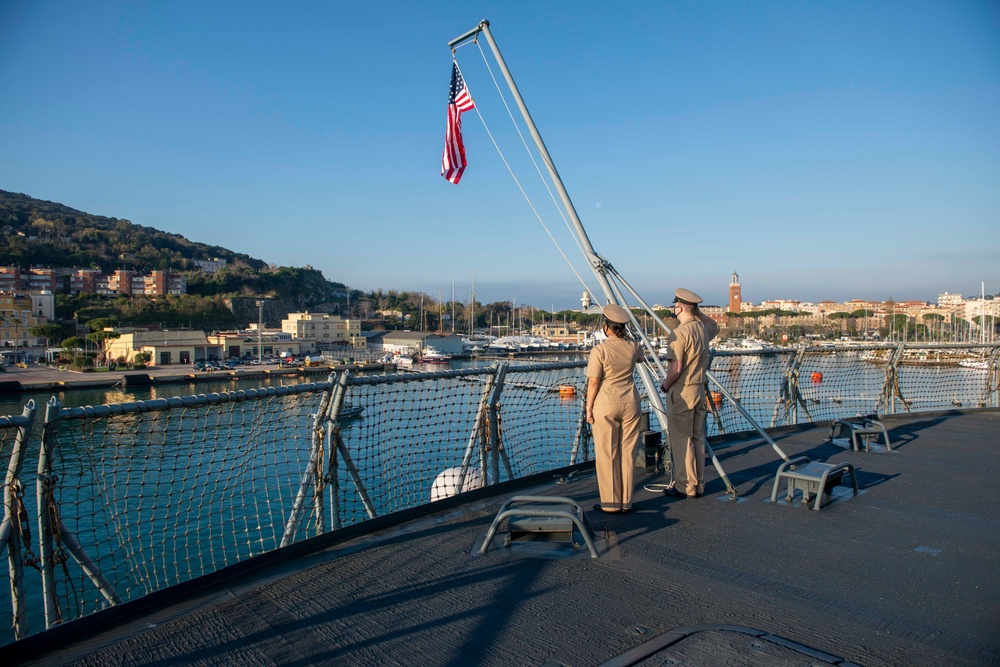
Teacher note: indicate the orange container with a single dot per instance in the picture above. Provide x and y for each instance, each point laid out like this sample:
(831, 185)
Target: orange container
(567, 391)
(714, 397)
(817, 376)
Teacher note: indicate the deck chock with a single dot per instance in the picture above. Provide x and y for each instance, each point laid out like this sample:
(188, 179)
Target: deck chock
(812, 478)
(862, 432)
(136, 380)
(551, 519)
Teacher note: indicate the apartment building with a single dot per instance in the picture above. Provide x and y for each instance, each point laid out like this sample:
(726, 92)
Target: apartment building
(17, 317)
(15, 279)
(128, 283)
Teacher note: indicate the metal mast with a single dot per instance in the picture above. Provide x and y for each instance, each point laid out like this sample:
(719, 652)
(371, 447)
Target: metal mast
(600, 266)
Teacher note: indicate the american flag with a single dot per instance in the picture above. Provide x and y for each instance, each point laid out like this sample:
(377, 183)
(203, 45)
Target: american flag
(459, 100)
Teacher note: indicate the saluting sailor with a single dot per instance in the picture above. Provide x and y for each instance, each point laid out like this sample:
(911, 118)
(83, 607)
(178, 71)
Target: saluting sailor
(684, 386)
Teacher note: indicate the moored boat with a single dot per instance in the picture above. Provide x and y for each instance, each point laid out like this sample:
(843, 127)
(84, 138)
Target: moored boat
(431, 355)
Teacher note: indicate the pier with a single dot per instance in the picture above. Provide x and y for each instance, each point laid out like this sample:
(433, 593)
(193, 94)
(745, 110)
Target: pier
(39, 378)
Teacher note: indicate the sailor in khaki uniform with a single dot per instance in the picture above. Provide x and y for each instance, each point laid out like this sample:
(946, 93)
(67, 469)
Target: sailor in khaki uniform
(685, 389)
(613, 410)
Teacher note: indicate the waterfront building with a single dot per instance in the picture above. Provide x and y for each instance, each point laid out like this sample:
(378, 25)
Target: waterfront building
(407, 342)
(17, 317)
(329, 331)
(165, 347)
(559, 333)
(240, 344)
(953, 303)
(983, 311)
(781, 304)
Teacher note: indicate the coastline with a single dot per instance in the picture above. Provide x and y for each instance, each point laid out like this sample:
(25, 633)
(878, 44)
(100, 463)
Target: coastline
(47, 378)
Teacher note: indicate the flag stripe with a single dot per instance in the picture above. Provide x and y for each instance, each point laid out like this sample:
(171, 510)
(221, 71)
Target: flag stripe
(453, 161)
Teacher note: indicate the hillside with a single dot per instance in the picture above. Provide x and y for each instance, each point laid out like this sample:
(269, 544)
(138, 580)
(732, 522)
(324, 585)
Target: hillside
(38, 233)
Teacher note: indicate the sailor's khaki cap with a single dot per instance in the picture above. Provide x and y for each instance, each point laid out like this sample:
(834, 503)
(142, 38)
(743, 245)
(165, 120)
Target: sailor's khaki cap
(686, 296)
(615, 313)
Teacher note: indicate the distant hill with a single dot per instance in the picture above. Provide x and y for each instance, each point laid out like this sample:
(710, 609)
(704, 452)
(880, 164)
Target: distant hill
(38, 233)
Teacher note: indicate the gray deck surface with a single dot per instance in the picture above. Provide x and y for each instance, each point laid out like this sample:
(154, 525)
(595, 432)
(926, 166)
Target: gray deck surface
(907, 573)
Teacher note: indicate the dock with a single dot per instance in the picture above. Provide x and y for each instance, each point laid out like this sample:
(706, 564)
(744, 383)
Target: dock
(903, 573)
(37, 378)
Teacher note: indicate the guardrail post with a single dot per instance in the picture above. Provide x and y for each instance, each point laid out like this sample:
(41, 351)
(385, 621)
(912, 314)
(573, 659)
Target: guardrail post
(477, 434)
(50, 524)
(312, 477)
(340, 389)
(46, 480)
(790, 397)
(11, 529)
(991, 388)
(494, 411)
(582, 431)
(890, 386)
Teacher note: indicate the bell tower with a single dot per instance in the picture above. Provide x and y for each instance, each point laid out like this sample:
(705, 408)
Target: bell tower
(735, 296)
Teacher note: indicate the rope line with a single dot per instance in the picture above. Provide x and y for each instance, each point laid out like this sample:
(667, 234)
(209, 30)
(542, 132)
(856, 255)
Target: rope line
(540, 175)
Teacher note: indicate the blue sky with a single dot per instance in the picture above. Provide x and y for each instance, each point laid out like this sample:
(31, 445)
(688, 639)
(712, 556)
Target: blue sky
(823, 150)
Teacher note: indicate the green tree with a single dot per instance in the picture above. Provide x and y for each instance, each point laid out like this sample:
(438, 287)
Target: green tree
(47, 331)
(103, 340)
(74, 344)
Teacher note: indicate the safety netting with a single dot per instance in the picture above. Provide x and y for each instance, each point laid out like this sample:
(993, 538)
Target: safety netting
(141, 496)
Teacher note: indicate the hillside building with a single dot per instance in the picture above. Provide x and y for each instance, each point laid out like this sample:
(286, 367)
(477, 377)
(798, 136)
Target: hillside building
(14, 279)
(209, 265)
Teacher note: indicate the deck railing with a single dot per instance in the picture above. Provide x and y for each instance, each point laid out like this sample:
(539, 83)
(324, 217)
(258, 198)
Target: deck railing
(135, 497)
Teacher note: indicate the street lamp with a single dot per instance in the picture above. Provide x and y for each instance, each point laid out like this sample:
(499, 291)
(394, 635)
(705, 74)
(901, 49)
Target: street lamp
(17, 337)
(260, 332)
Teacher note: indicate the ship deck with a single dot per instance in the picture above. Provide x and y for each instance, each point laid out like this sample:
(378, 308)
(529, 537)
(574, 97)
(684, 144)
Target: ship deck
(904, 573)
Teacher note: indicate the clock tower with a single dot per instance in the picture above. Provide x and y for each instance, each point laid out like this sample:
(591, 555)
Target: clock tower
(735, 298)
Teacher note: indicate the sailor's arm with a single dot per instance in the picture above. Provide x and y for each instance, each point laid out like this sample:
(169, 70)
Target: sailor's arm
(711, 326)
(673, 372)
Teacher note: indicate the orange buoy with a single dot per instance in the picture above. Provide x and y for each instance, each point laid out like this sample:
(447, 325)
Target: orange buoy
(714, 398)
(567, 391)
(817, 376)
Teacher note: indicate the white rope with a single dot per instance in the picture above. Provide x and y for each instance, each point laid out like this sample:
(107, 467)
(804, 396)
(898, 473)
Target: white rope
(541, 177)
